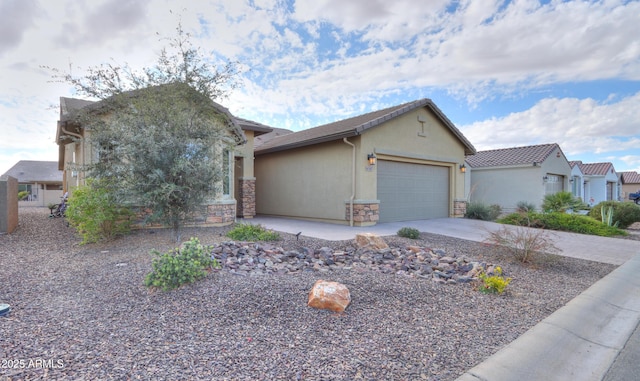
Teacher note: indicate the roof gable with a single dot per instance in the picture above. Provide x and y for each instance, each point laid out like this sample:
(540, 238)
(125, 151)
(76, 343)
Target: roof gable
(356, 126)
(26, 171)
(528, 155)
(596, 169)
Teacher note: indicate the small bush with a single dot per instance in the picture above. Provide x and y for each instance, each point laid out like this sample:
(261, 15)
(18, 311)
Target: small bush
(481, 211)
(93, 211)
(525, 207)
(22, 195)
(252, 233)
(561, 202)
(574, 223)
(527, 245)
(407, 232)
(624, 213)
(180, 266)
(493, 284)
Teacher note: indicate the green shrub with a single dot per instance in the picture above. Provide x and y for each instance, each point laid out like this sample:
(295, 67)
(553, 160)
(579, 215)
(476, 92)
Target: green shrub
(22, 195)
(252, 233)
(624, 213)
(93, 211)
(480, 211)
(407, 232)
(563, 222)
(524, 207)
(180, 266)
(561, 202)
(493, 284)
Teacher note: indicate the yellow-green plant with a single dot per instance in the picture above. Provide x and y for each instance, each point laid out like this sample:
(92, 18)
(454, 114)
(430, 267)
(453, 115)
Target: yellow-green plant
(493, 284)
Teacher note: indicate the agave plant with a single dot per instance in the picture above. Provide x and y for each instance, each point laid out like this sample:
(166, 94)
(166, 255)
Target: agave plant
(607, 216)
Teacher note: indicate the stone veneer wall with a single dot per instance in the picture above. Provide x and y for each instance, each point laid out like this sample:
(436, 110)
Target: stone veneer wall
(459, 208)
(218, 214)
(247, 198)
(363, 212)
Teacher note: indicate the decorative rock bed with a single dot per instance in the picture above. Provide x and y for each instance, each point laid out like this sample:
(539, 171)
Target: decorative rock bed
(255, 259)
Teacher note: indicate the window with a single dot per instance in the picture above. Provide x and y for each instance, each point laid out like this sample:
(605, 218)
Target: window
(226, 172)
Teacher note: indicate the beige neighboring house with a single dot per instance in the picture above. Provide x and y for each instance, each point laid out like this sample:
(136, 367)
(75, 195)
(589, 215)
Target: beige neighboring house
(237, 198)
(630, 183)
(42, 179)
(398, 164)
(509, 175)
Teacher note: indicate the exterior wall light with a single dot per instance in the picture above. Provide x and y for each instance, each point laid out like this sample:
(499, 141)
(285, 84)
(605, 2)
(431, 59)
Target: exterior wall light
(371, 158)
(463, 168)
(545, 178)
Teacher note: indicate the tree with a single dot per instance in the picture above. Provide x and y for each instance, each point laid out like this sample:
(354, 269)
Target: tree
(162, 143)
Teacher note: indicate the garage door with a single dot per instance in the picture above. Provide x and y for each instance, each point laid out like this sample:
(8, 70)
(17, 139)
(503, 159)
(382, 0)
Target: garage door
(409, 191)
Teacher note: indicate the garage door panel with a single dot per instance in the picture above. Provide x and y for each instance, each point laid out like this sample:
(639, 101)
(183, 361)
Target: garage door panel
(409, 191)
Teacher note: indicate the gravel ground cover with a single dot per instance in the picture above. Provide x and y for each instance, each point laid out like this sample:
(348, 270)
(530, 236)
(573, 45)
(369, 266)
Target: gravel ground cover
(82, 313)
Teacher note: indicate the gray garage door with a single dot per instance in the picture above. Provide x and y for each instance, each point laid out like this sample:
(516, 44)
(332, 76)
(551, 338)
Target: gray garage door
(410, 191)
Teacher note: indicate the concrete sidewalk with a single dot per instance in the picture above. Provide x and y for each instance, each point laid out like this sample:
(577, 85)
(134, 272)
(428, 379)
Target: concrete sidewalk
(596, 336)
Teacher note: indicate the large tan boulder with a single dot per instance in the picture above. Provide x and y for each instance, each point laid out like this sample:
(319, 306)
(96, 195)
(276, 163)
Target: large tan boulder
(370, 241)
(328, 295)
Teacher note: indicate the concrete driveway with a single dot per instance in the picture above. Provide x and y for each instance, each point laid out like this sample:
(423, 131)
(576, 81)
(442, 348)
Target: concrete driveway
(600, 249)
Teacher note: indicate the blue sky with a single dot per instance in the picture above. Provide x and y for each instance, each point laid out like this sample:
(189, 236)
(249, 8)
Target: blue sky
(507, 73)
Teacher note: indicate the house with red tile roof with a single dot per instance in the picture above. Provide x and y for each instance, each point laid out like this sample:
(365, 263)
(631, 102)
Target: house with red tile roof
(630, 183)
(508, 176)
(600, 182)
(396, 164)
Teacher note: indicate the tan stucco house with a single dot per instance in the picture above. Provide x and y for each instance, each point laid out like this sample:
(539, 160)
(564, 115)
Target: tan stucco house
(41, 179)
(397, 164)
(237, 198)
(630, 181)
(509, 175)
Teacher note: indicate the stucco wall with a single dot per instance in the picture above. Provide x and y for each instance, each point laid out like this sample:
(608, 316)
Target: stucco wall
(557, 164)
(507, 186)
(310, 182)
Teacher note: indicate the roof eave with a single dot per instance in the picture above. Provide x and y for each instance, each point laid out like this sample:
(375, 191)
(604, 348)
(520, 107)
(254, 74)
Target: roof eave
(309, 142)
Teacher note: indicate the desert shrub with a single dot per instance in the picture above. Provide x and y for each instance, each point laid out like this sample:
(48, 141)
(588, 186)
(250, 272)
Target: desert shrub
(563, 222)
(493, 284)
(407, 232)
(22, 195)
(477, 210)
(527, 245)
(524, 207)
(95, 214)
(180, 266)
(624, 213)
(561, 202)
(249, 232)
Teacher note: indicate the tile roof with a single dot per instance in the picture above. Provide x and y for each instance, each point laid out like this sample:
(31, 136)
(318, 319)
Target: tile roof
(511, 156)
(355, 126)
(596, 169)
(630, 177)
(29, 171)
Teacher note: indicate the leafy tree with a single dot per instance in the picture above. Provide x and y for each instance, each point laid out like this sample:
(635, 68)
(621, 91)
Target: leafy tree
(161, 141)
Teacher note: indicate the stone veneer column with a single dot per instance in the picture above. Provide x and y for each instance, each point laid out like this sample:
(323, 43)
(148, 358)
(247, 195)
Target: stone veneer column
(365, 213)
(247, 197)
(459, 208)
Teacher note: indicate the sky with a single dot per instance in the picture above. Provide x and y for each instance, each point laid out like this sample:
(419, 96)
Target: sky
(506, 73)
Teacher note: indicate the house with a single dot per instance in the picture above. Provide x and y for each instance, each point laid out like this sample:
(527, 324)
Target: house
(41, 179)
(600, 182)
(236, 195)
(397, 164)
(508, 176)
(630, 183)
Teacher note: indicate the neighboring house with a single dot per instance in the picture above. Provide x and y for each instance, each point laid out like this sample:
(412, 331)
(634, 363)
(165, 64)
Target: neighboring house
(238, 188)
(600, 182)
(397, 164)
(577, 180)
(507, 176)
(42, 179)
(630, 182)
